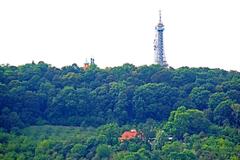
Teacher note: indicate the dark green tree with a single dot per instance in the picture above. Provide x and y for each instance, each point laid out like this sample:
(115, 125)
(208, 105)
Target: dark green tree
(103, 151)
(191, 121)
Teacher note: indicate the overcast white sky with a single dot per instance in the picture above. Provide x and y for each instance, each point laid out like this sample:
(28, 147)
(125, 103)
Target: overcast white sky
(197, 32)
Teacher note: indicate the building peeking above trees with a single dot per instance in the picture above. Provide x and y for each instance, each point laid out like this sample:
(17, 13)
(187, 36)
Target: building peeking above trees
(86, 65)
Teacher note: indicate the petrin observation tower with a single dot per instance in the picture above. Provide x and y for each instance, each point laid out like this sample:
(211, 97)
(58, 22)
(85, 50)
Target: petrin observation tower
(158, 44)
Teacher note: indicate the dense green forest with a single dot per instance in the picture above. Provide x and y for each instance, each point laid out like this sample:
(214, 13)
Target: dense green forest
(47, 113)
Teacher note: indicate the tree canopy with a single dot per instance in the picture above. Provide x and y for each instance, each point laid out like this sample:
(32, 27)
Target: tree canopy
(72, 113)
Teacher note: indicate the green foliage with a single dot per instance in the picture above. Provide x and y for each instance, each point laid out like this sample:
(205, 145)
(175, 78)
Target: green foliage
(154, 100)
(78, 151)
(103, 151)
(60, 142)
(9, 120)
(177, 151)
(113, 100)
(216, 98)
(216, 148)
(42, 94)
(189, 121)
(111, 132)
(199, 96)
(142, 154)
(223, 113)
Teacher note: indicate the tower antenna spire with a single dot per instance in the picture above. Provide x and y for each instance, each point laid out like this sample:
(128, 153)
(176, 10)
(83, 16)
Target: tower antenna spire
(160, 17)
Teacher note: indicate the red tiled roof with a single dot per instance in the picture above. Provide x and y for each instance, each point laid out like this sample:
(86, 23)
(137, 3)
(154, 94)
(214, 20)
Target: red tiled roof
(127, 135)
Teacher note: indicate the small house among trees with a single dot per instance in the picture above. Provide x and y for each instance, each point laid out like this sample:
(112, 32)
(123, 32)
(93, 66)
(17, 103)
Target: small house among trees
(127, 135)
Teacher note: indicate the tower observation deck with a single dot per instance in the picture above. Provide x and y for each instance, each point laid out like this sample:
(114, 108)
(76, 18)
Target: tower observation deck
(158, 44)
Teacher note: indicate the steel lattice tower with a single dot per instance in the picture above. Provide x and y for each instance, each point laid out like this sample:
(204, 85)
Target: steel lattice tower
(158, 44)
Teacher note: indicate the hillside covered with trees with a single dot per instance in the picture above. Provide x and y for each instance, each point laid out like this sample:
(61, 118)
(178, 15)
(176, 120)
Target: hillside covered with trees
(72, 113)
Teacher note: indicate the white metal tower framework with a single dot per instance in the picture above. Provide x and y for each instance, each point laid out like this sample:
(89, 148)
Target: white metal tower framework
(158, 44)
